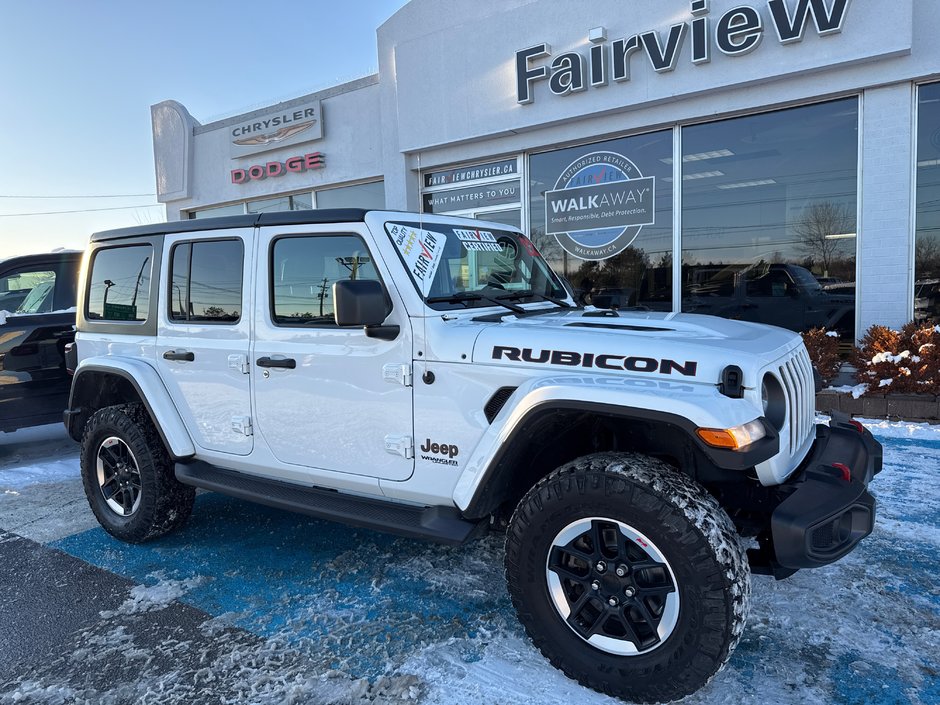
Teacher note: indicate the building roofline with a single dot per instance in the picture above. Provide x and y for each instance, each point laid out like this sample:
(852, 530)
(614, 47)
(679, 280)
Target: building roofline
(330, 92)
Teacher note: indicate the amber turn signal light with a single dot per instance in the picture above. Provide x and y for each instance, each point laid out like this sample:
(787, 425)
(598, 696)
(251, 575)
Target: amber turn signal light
(732, 438)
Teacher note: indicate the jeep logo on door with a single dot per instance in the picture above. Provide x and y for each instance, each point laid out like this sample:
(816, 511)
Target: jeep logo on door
(599, 205)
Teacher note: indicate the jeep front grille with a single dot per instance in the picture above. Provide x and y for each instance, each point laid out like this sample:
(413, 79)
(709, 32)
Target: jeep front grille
(796, 374)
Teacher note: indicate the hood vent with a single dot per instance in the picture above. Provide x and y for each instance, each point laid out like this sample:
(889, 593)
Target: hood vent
(619, 326)
(497, 401)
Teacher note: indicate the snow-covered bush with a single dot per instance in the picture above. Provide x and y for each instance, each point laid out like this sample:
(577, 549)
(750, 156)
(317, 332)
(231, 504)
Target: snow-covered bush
(905, 361)
(823, 349)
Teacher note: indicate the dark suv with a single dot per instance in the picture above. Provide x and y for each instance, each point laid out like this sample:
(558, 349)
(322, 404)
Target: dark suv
(37, 321)
(785, 295)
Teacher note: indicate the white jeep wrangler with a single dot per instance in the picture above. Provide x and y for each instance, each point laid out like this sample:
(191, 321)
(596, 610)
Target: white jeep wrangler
(431, 377)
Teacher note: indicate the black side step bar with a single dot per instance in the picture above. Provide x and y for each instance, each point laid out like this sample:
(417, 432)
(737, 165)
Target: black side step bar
(442, 524)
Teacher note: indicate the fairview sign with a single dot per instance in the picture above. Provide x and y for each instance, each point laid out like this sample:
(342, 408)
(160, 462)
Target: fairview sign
(736, 33)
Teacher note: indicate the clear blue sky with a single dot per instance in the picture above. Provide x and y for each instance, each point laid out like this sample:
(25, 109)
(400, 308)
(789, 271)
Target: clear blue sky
(77, 79)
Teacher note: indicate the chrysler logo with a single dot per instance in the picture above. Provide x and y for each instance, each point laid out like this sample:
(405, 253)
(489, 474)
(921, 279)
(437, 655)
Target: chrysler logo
(278, 136)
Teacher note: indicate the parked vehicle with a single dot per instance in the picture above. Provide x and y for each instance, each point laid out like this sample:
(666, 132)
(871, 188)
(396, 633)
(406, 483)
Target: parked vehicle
(430, 376)
(927, 301)
(785, 295)
(37, 321)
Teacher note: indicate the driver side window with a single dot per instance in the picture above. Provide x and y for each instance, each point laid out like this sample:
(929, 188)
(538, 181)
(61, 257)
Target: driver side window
(28, 291)
(303, 271)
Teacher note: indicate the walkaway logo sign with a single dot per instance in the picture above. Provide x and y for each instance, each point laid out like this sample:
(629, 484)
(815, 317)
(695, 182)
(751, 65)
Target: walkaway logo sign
(599, 205)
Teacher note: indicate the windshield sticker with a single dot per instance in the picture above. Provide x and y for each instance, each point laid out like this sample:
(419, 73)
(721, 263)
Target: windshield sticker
(478, 240)
(421, 250)
(530, 248)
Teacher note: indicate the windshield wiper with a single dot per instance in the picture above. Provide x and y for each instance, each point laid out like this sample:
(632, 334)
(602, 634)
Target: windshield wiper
(525, 293)
(465, 297)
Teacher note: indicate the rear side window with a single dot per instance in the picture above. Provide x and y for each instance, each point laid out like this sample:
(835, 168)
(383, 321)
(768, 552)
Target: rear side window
(119, 284)
(304, 269)
(206, 281)
(27, 291)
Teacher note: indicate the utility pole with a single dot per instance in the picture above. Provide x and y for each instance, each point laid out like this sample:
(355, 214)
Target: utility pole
(322, 295)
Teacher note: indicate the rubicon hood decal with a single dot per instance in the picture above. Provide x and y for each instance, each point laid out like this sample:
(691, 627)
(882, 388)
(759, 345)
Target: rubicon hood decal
(595, 360)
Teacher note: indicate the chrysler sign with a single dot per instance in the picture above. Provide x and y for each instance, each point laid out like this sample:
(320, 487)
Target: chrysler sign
(282, 127)
(737, 32)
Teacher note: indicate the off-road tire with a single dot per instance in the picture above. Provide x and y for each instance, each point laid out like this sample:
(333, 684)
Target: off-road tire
(692, 532)
(165, 503)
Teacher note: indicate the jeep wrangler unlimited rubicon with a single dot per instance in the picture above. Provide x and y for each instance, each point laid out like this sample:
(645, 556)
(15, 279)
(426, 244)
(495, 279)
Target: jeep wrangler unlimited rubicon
(431, 377)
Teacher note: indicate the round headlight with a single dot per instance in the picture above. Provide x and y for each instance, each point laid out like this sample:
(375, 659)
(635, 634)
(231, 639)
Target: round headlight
(764, 396)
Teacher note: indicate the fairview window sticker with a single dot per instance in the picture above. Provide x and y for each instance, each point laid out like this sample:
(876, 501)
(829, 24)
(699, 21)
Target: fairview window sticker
(421, 250)
(478, 241)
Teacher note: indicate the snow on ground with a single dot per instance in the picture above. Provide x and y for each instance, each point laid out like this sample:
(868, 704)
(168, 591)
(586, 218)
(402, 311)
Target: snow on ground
(145, 598)
(341, 615)
(44, 454)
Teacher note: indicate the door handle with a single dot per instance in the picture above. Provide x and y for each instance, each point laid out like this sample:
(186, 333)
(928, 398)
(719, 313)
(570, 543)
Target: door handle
(285, 362)
(179, 356)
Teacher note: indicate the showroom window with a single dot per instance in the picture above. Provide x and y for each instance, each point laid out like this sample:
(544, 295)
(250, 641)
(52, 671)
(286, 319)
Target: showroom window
(119, 283)
(927, 247)
(769, 207)
(602, 214)
(371, 195)
(234, 209)
(298, 202)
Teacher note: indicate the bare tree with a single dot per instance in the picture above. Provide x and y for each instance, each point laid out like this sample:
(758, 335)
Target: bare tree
(817, 231)
(927, 256)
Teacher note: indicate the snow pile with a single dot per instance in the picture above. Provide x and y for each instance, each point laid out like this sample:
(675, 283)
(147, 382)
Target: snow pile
(905, 429)
(856, 391)
(146, 598)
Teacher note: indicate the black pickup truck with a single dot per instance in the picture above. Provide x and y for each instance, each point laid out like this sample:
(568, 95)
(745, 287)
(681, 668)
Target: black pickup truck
(37, 321)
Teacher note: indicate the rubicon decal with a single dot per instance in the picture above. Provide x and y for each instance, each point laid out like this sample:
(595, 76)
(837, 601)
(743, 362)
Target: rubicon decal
(596, 361)
(441, 453)
(599, 205)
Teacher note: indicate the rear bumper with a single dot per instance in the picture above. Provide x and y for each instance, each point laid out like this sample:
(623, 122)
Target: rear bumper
(827, 509)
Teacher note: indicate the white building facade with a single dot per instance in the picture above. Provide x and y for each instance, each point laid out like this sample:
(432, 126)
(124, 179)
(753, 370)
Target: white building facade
(770, 160)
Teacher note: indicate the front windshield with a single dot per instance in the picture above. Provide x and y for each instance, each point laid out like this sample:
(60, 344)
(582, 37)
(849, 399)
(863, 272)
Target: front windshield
(454, 267)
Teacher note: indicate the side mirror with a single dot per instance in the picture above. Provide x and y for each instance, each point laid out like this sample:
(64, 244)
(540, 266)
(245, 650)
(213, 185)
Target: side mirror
(363, 302)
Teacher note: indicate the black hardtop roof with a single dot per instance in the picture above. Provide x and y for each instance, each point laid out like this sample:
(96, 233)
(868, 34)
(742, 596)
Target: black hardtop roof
(40, 257)
(305, 217)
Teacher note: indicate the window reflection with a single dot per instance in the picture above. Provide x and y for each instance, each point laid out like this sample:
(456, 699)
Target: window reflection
(769, 217)
(927, 248)
(622, 256)
(304, 270)
(370, 195)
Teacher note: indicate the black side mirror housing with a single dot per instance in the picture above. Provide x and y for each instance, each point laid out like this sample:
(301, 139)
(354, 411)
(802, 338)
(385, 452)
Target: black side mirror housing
(363, 302)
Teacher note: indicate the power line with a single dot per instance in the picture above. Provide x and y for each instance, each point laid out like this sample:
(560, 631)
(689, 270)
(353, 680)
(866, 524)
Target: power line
(110, 195)
(81, 210)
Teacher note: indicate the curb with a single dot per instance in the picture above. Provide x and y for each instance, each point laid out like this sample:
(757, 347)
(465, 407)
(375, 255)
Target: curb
(904, 407)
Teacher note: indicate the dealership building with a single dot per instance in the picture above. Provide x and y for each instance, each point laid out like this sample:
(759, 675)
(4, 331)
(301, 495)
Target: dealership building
(772, 160)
